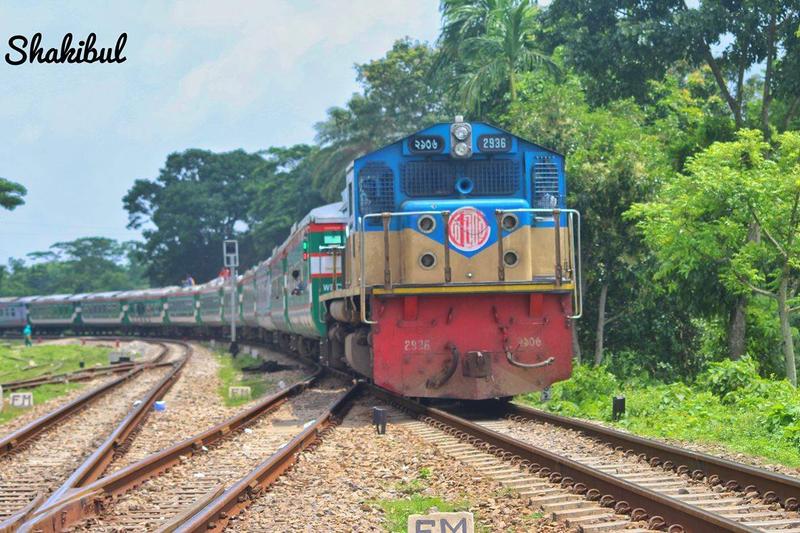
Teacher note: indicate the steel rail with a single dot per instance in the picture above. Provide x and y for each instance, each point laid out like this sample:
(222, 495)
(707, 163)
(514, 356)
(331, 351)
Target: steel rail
(581, 479)
(24, 434)
(216, 514)
(96, 463)
(9, 525)
(773, 486)
(85, 501)
(78, 375)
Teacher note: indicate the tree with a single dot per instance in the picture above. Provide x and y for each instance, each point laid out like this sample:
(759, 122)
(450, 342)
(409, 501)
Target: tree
(11, 194)
(494, 41)
(612, 162)
(282, 192)
(685, 111)
(198, 200)
(400, 95)
(88, 264)
(738, 209)
(622, 44)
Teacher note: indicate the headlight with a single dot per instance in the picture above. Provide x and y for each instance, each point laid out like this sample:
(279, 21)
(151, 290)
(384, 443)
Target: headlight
(427, 260)
(426, 224)
(461, 149)
(510, 258)
(461, 132)
(510, 222)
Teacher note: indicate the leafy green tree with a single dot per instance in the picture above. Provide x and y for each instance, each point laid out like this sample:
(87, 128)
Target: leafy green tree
(282, 192)
(11, 194)
(198, 200)
(685, 111)
(612, 162)
(495, 41)
(622, 44)
(88, 264)
(737, 208)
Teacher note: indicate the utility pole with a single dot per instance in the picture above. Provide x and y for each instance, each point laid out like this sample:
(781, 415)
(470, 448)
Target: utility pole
(230, 250)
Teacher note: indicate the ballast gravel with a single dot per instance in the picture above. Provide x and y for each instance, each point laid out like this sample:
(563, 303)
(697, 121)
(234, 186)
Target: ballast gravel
(52, 404)
(157, 500)
(39, 410)
(337, 486)
(193, 404)
(717, 450)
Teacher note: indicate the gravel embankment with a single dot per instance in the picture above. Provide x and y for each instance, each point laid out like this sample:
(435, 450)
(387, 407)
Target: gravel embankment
(148, 350)
(718, 450)
(337, 486)
(574, 445)
(42, 409)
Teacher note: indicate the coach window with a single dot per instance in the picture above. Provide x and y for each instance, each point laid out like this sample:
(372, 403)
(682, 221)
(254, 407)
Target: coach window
(298, 281)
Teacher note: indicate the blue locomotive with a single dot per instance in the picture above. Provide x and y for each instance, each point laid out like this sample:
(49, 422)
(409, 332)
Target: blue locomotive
(450, 269)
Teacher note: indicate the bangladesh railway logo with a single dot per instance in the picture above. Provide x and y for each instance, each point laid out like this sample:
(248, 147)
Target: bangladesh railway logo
(468, 229)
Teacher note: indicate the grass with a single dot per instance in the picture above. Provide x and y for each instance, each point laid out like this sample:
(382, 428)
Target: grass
(414, 501)
(231, 374)
(41, 394)
(398, 511)
(729, 406)
(18, 362)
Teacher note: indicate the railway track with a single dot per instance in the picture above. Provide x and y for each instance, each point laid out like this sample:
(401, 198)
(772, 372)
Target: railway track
(590, 477)
(26, 433)
(72, 445)
(167, 488)
(68, 377)
(594, 487)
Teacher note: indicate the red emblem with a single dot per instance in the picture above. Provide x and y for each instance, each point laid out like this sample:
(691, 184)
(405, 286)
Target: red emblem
(468, 229)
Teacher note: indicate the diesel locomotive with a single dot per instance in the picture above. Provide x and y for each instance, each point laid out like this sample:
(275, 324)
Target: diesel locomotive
(450, 269)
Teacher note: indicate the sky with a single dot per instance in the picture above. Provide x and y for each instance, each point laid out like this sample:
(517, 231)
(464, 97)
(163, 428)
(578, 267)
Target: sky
(201, 74)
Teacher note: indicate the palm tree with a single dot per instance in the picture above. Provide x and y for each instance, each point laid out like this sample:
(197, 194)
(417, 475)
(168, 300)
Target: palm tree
(495, 40)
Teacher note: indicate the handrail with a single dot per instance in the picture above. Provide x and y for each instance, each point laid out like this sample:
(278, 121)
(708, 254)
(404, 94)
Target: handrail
(362, 280)
(578, 277)
(554, 212)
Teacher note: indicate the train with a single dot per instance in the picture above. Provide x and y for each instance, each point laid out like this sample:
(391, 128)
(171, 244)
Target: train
(449, 269)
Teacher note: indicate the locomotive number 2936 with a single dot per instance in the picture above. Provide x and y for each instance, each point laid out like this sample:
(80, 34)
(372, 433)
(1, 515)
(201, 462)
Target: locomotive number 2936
(494, 143)
(417, 345)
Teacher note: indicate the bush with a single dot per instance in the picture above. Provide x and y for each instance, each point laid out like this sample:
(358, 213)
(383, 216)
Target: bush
(586, 384)
(727, 377)
(729, 404)
(627, 365)
(588, 390)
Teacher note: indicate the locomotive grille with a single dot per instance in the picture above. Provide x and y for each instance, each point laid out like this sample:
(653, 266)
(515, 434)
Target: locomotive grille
(545, 183)
(376, 190)
(428, 178)
(496, 177)
(493, 177)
